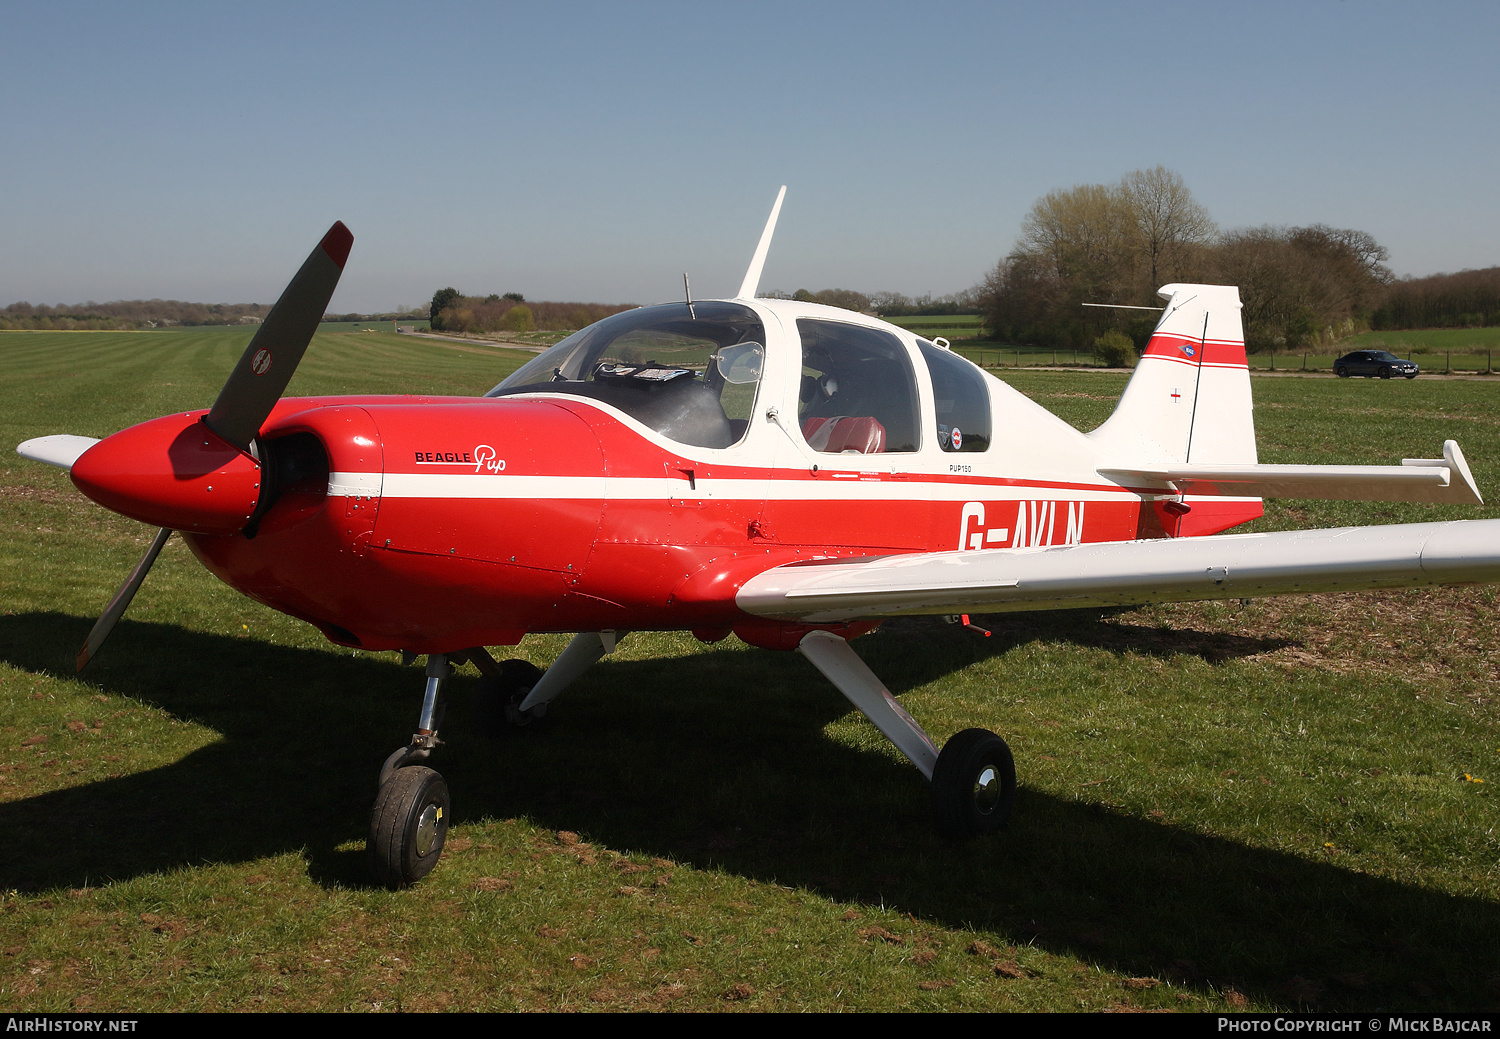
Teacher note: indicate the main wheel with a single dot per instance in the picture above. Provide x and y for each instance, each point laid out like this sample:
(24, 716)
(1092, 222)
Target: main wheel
(497, 701)
(408, 826)
(1342, 373)
(973, 784)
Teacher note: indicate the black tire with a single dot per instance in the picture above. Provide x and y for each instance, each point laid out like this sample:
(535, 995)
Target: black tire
(408, 826)
(497, 701)
(973, 785)
(1385, 373)
(1411, 375)
(1342, 373)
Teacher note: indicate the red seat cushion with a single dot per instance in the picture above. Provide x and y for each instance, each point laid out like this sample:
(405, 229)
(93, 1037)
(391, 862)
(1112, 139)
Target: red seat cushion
(840, 433)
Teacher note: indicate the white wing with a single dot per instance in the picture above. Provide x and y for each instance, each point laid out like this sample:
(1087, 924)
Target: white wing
(1129, 572)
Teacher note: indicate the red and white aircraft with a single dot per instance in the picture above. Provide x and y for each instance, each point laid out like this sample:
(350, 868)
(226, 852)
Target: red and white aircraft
(788, 472)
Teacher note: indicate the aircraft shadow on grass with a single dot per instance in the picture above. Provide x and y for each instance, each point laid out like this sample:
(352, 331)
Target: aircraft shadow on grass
(718, 758)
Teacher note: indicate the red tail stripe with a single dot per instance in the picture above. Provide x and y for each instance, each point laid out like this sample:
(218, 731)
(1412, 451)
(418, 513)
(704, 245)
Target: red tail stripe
(1194, 351)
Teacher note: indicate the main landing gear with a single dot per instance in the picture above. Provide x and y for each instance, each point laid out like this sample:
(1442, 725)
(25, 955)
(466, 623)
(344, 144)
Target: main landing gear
(973, 779)
(410, 820)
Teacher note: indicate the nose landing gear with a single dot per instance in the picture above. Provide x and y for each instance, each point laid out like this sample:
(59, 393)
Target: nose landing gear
(409, 823)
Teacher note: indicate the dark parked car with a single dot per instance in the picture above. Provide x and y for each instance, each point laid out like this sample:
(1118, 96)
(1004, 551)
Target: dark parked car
(1374, 362)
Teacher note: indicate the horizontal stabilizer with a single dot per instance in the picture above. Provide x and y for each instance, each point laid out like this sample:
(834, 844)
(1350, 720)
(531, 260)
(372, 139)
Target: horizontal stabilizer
(1124, 573)
(1446, 480)
(61, 449)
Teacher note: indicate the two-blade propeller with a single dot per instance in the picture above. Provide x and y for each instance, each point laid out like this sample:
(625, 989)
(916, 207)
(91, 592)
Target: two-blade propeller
(253, 389)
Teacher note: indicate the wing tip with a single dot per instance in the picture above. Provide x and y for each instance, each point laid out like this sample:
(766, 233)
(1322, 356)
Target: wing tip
(337, 243)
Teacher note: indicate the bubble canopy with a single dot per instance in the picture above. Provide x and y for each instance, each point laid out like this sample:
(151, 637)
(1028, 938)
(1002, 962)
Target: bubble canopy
(689, 373)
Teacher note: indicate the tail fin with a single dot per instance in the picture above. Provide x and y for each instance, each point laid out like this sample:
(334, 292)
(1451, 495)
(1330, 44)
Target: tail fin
(1189, 400)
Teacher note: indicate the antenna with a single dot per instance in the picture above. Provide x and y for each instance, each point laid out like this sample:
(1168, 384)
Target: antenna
(752, 276)
(688, 292)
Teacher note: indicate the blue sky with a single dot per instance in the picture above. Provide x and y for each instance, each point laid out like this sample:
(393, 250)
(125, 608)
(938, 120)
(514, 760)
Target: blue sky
(595, 151)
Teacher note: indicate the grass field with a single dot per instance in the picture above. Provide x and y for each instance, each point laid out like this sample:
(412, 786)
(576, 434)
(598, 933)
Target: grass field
(950, 326)
(420, 324)
(1288, 804)
(1415, 342)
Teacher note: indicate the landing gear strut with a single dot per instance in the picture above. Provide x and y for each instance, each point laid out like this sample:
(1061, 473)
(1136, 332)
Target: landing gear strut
(973, 779)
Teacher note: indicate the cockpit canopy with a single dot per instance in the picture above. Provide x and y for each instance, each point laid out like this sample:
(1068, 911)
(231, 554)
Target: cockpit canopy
(689, 373)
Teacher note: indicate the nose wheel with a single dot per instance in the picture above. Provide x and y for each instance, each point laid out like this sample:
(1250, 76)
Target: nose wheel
(408, 826)
(973, 784)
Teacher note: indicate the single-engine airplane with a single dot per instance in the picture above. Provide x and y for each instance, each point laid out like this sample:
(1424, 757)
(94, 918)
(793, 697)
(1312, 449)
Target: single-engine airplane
(785, 471)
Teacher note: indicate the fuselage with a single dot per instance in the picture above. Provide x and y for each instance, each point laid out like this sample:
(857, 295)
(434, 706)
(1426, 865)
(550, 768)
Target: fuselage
(638, 482)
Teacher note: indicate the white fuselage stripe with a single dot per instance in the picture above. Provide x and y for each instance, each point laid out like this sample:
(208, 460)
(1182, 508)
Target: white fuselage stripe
(477, 486)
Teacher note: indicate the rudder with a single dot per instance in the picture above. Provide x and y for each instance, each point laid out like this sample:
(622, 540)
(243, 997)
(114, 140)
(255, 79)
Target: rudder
(1189, 399)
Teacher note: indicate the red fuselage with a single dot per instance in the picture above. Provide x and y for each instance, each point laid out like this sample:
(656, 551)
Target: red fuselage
(444, 523)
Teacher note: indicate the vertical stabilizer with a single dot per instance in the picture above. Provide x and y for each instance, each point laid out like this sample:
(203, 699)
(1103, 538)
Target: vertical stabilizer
(758, 261)
(1189, 399)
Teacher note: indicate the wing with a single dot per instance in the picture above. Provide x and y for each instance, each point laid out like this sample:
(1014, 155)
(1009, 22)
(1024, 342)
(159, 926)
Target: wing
(1128, 572)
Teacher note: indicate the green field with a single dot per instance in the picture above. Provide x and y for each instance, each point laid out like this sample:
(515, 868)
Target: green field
(949, 326)
(1415, 342)
(421, 324)
(1222, 806)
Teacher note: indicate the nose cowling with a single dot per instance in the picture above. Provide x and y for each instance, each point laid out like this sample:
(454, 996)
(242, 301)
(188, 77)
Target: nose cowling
(172, 472)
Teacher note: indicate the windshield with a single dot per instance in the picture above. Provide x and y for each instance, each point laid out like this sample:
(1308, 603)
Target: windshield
(689, 373)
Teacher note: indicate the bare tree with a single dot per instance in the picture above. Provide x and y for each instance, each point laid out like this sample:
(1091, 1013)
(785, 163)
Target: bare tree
(1169, 221)
(1085, 236)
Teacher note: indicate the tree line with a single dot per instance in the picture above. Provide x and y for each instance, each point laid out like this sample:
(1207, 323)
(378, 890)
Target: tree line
(135, 314)
(1468, 299)
(887, 303)
(130, 314)
(452, 311)
(1116, 244)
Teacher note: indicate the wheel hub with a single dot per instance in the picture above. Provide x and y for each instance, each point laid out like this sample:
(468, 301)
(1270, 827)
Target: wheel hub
(987, 790)
(427, 828)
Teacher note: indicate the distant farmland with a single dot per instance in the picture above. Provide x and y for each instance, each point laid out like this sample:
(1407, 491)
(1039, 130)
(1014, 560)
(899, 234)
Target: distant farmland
(949, 326)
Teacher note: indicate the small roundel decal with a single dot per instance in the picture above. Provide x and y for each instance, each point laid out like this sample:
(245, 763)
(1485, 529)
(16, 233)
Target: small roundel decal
(958, 438)
(261, 361)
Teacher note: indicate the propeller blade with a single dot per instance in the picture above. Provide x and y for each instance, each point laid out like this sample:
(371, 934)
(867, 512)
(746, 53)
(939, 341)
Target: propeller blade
(60, 449)
(116, 607)
(267, 365)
